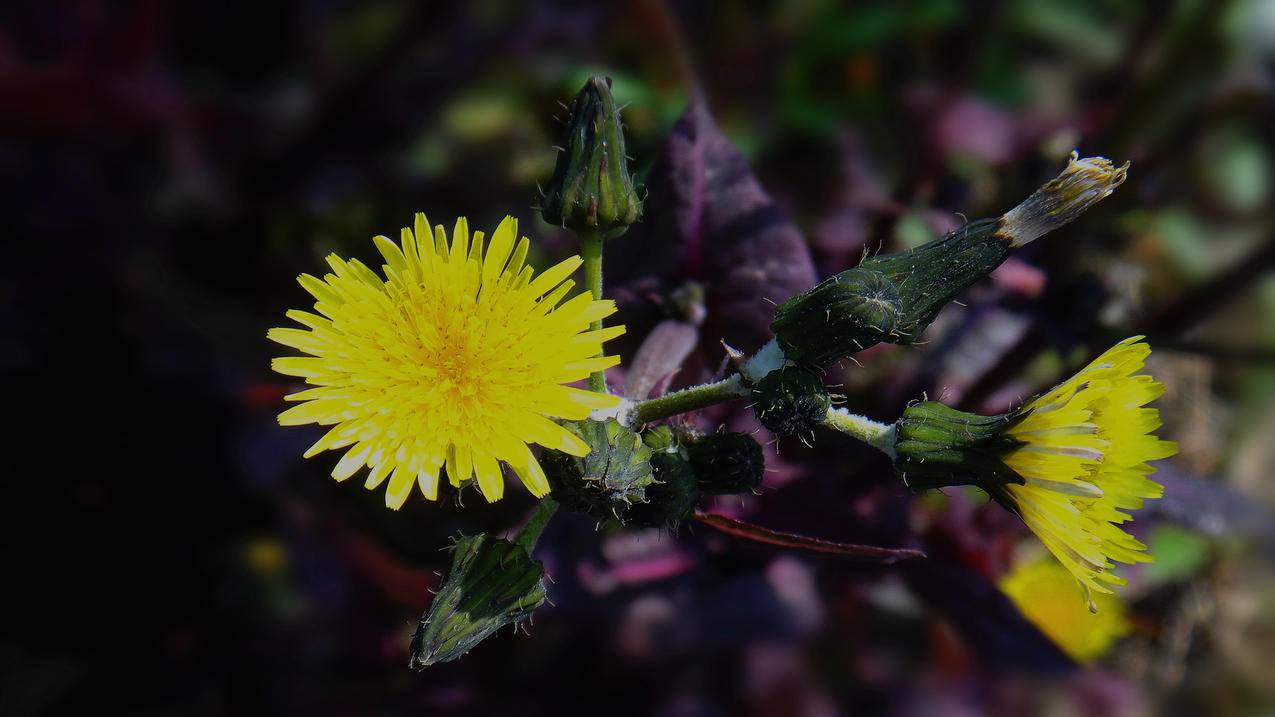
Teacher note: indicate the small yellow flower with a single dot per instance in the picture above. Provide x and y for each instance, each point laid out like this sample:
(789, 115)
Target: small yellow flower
(1082, 451)
(457, 358)
(1045, 592)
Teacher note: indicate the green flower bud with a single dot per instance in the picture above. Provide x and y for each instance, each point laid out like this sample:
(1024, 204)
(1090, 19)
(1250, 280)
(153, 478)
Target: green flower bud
(726, 462)
(491, 583)
(591, 189)
(790, 400)
(890, 298)
(603, 484)
(672, 497)
(937, 446)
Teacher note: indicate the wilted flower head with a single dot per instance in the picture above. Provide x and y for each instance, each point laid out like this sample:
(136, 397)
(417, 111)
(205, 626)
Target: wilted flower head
(458, 356)
(1045, 593)
(1081, 185)
(1069, 463)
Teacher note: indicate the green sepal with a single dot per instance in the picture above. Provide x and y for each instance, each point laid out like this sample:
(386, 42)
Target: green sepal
(937, 446)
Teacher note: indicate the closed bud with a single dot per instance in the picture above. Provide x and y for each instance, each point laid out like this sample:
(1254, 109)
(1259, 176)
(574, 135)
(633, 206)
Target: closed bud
(790, 400)
(890, 298)
(672, 497)
(726, 462)
(893, 298)
(612, 477)
(937, 446)
(591, 189)
(491, 583)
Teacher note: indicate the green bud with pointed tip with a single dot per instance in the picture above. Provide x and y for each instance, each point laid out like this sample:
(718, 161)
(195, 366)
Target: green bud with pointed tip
(591, 189)
(890, 298)
(790, 400)
(726, 462)
(606, 482)
(491, 583)
(937, 446)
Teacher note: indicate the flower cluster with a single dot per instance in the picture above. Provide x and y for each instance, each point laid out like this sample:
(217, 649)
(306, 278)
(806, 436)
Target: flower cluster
(457, 358)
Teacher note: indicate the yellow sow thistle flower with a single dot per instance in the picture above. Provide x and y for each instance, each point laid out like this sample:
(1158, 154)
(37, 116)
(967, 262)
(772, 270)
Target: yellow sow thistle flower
(1069, 463)
(1045, 592)
(457, 358)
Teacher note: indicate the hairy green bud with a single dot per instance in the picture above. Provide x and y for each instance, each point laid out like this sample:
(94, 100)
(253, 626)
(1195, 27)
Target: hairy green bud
(613, 476)
(491, 583)
(790, 400)
(890, 298)
(591, 189)
(893, 298)
(672, 497)
(726, 462)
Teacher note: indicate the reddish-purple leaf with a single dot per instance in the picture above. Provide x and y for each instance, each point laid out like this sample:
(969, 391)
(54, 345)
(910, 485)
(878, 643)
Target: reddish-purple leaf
(728, 232)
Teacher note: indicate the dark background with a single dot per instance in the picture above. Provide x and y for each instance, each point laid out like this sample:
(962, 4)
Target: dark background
(167, 169)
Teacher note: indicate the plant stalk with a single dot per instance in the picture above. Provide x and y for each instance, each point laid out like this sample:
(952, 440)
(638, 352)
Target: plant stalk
(878, 435)
(530, 533)
(688, 399)
(591, 252)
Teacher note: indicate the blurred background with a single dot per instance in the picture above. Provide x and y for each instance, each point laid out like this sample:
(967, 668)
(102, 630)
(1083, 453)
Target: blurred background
(167, 169)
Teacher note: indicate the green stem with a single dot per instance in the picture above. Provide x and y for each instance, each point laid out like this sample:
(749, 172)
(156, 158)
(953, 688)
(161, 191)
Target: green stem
(591, 252)
(688, 399)
(878, 435)
(530, 533)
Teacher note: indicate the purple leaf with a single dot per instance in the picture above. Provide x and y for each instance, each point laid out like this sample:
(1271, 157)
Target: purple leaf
(729, 232)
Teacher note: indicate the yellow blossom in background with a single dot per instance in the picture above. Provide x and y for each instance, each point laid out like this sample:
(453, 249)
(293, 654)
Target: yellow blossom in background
(458, 357)
(1082, 451)
(1045, 592)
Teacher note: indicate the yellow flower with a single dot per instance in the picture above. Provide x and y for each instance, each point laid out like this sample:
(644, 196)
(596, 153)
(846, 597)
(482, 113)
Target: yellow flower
(1069, 463)
(1045, 592)
(458, 357)
(1082, 452)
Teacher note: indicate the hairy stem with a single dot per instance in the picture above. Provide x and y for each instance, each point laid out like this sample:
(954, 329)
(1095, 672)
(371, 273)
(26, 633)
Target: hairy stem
(878, 435)
(688, 399)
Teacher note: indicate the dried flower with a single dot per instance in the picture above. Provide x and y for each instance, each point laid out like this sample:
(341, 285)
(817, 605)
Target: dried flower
(1081, 185)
